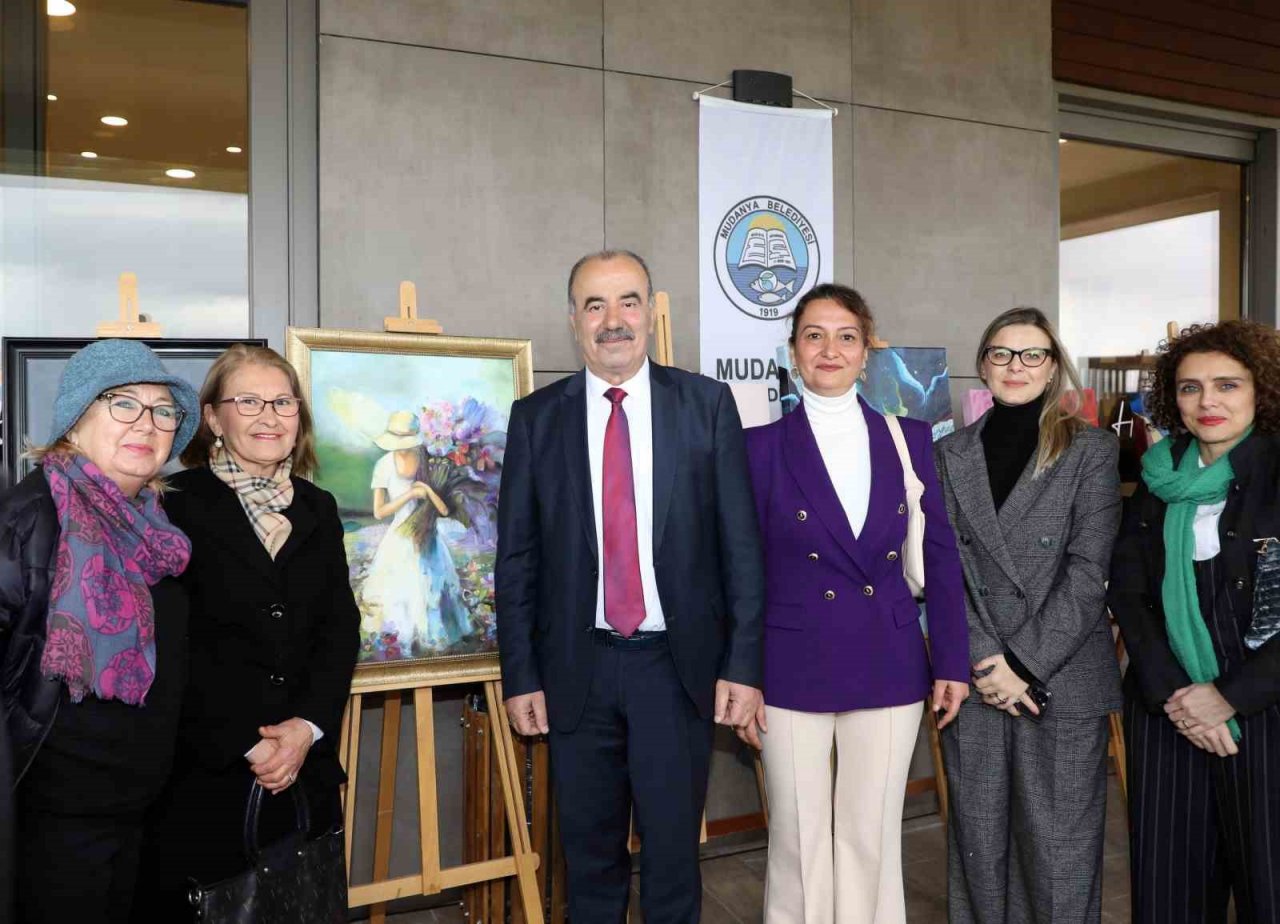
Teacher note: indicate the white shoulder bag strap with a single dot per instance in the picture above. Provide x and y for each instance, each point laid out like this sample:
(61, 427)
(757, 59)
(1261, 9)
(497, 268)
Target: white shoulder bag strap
(913, 548)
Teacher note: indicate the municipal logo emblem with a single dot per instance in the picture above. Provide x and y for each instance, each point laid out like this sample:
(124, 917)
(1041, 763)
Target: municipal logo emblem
(766, 256)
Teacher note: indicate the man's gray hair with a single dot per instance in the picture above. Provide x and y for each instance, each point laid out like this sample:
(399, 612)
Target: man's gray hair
(609, 255)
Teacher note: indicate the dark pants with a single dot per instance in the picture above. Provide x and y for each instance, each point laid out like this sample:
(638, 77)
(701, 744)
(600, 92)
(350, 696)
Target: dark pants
(640, 743)
(1028, 812)
(1205, 828)
(77, 868)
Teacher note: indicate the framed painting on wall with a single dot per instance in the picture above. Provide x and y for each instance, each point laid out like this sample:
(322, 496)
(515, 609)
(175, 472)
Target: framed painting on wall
(33, 365)
(410, 435)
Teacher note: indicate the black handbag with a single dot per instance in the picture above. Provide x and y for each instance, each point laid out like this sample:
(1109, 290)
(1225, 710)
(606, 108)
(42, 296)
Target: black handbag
(293, 880)
(1266, 595)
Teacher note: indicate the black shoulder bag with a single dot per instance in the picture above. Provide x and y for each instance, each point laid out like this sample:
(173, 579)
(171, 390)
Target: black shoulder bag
(293, 880)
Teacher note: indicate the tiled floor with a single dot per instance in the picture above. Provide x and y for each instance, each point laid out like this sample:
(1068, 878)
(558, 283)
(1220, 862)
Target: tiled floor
(733, 884)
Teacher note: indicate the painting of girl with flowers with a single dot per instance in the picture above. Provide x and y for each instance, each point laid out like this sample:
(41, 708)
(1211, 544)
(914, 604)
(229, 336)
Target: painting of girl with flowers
(410, 443)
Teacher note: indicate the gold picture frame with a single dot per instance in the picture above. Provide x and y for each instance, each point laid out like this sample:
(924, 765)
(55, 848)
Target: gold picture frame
(423, 418)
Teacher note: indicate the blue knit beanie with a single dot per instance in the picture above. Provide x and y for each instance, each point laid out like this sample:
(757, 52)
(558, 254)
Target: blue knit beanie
(107, 364)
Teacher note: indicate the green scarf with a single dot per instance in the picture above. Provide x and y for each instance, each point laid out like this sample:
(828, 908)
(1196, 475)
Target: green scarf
(1183, 489)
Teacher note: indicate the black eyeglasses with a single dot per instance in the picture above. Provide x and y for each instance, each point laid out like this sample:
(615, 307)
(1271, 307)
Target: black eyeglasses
(252, 405)
(126, 410)
(1030, 357)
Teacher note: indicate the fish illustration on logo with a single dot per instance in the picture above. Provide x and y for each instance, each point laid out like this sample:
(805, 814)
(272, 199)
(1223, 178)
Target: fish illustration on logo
(766, 255)
(769, 287)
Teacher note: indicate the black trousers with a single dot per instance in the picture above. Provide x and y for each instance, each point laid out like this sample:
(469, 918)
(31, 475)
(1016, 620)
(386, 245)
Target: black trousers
(1204, 828)
(77, 868)
(641, 744)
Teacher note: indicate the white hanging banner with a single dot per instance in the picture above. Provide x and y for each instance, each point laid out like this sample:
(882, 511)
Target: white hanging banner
(766, 230)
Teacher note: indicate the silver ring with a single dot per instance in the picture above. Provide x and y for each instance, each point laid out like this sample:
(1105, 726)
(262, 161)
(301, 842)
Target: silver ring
(1001, 700)
(1182, 723)
(291, 777)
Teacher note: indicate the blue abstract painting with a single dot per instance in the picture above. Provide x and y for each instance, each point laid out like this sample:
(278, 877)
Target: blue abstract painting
(906, 381)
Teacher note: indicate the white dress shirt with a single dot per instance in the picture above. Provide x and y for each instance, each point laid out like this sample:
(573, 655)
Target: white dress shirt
(1205, 528)
(639, 407)
(841, 433)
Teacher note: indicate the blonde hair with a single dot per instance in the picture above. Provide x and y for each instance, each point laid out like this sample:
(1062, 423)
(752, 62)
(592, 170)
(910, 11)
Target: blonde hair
(234, 358)
(1060, 420)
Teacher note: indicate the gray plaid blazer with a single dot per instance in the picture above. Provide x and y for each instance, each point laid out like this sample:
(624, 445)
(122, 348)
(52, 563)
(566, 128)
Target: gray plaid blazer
(1035, 574)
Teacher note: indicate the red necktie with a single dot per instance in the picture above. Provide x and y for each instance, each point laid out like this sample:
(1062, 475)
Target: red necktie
(623, 593)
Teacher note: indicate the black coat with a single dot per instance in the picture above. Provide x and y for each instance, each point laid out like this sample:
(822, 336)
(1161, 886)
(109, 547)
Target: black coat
(706, 543)
(270, 640)
(28, 542)
(1137, 570)
(95, 757)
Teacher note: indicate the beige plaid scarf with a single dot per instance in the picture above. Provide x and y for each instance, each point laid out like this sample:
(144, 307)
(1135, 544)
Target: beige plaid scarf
(264, 499)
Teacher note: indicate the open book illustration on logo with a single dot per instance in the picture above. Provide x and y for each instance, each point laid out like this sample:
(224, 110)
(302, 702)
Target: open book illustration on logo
(768, 249)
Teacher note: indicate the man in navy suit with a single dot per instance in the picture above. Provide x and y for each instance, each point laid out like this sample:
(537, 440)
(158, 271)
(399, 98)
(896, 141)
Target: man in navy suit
(629, 595)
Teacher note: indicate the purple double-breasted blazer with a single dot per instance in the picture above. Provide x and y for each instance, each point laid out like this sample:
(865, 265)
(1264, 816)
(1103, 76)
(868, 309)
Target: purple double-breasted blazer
(842, 630)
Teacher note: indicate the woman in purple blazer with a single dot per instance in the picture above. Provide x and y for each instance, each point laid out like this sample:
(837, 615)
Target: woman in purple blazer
(845, 659)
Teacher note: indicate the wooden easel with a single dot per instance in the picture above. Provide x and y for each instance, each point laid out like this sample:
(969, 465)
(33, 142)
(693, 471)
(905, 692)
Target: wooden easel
(432, 879)
(662, 348)
(408, 322)
(130, 323)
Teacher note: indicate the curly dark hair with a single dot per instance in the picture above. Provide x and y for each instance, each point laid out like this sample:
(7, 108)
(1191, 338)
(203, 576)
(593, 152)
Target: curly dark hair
(1253, 345)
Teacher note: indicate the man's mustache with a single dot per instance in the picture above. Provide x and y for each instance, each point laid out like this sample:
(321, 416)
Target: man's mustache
(615, 335)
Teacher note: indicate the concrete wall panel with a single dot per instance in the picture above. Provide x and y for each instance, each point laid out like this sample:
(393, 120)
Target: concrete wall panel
(706, 41)
(985, 60)
(560, 31)
(954, 222)
(478, 178)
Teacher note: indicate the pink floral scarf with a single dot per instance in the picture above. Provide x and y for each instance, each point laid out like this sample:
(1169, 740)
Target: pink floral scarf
(100, 636)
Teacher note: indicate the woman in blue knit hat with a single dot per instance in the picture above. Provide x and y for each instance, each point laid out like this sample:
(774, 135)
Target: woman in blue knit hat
(93, 629)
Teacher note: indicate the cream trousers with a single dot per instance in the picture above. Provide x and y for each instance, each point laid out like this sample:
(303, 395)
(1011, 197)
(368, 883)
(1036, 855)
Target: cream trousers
(835, 851)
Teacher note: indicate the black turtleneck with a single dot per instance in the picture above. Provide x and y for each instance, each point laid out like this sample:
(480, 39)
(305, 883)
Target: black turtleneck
(1009, 440)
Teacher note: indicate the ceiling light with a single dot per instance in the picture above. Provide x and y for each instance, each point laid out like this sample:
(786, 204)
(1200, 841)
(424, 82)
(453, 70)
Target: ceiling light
(234, 150)
(59, 8)
(117, 121)
(1062, 141)
(180, 174)
(89, 154)
(52, 97)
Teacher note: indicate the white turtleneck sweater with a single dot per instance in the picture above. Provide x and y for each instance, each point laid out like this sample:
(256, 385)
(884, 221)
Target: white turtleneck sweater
(841, 433)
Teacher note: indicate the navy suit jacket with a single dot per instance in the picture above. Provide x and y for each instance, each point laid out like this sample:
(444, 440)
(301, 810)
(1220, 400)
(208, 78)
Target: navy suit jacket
(842, 630)
(706, 548)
